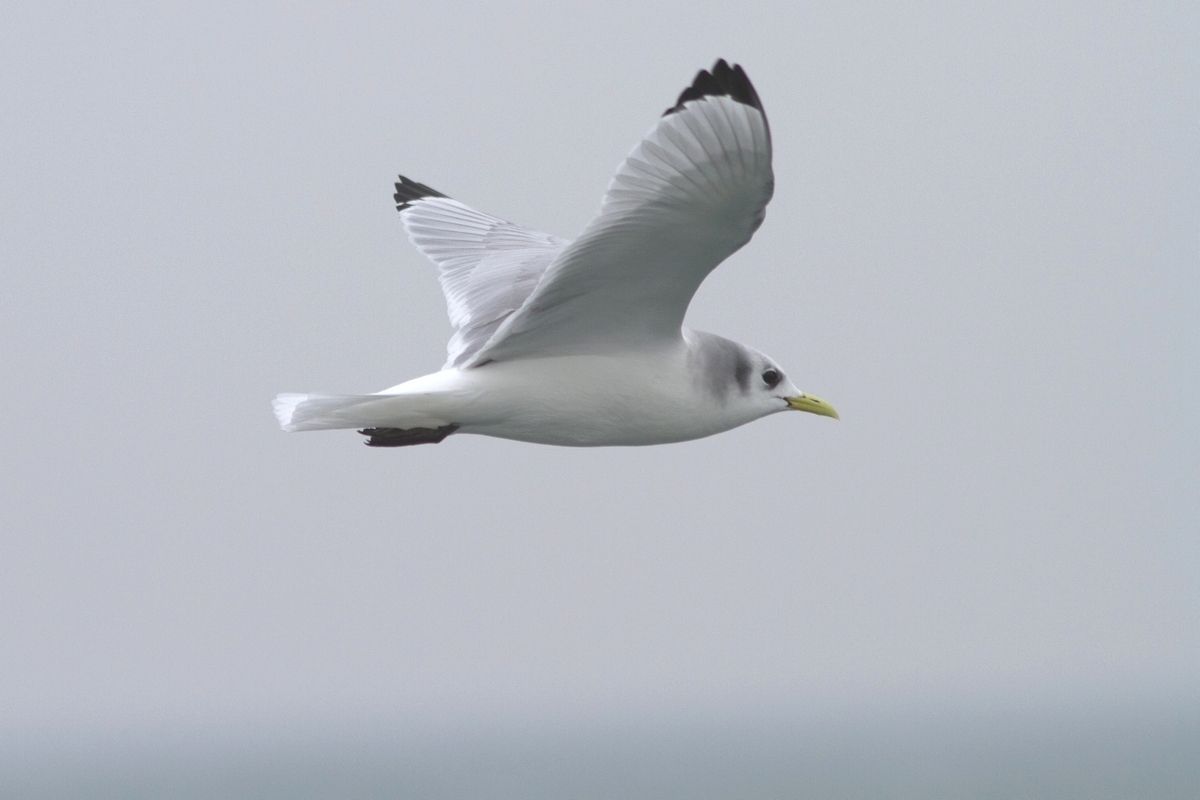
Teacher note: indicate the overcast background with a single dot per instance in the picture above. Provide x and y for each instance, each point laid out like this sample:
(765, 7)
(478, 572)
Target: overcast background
(982, 582)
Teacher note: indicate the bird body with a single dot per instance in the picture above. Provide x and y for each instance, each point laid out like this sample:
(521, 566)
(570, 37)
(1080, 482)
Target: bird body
(651, 396)
(581, 342)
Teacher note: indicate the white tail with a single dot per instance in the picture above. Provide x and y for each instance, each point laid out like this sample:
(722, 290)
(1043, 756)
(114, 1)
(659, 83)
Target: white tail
(316, 412)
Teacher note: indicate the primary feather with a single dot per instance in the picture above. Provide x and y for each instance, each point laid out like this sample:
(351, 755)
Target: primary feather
(487, 266)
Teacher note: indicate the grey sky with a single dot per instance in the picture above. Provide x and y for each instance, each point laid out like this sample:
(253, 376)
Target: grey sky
(982, 249)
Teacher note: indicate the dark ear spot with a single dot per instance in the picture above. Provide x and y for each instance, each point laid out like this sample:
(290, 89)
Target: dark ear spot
(741, 369)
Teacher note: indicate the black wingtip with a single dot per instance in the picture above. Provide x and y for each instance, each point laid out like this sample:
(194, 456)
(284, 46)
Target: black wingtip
(721, 81)
(409, 191)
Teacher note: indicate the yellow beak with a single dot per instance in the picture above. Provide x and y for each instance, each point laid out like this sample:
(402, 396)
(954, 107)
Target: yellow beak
(811, 404)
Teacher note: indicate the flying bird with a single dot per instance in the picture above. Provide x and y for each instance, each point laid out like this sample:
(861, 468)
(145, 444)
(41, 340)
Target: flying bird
(582, 342)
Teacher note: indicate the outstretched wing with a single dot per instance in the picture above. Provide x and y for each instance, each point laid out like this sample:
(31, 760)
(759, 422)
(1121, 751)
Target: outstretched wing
(690, 194)
(487, 266)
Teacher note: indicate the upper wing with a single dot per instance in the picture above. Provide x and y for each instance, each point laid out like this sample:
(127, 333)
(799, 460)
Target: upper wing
(690, 194)
(487, 266)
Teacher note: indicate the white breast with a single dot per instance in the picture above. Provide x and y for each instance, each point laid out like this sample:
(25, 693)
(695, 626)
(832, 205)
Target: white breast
(637, 398)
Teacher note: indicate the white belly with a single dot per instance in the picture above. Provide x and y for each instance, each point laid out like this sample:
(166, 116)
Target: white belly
(631, 399)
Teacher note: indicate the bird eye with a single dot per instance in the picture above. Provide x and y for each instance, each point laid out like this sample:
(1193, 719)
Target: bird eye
(771, 377)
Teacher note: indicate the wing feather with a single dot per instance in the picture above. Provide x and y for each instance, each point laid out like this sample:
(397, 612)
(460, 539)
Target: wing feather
(690, 194)
(487, 266)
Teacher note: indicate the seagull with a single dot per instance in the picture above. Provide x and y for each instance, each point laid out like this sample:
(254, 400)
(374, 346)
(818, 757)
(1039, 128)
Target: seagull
(582, 342)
